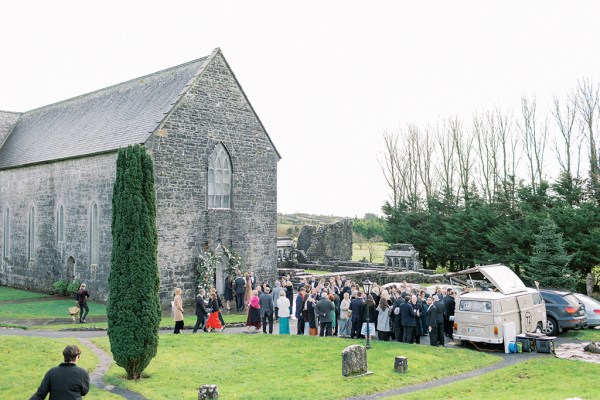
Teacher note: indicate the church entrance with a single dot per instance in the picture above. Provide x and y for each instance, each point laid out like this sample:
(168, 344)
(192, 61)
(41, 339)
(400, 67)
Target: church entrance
(70, 269)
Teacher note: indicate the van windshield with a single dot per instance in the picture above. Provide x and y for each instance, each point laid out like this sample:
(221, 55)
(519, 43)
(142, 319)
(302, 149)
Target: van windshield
(476, 306)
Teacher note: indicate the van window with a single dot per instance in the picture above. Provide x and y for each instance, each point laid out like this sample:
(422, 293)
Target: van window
(476, 306)
(537, 299)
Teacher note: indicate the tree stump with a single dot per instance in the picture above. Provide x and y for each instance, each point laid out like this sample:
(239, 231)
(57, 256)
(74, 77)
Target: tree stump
(401, 364)
(208, 392)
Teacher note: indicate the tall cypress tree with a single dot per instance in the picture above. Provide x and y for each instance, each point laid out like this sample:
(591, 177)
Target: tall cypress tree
(133, 306)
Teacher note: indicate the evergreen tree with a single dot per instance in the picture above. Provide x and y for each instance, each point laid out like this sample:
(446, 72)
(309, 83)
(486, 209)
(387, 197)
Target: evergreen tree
(133, 307)
(548, 262)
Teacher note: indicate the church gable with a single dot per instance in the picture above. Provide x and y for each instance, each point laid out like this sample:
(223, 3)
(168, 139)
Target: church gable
(8, 120)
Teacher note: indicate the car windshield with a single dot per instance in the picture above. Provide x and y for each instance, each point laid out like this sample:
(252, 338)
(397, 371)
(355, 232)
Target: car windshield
(476, 306)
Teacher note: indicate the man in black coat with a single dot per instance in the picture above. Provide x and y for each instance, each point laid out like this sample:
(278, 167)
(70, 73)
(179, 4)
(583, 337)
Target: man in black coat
(325, 308)
(407, 316)
(201, 313)
(435, 321)
(355, 306)
(449, 305)
(67, 381)
(239, 286)
(397, 328)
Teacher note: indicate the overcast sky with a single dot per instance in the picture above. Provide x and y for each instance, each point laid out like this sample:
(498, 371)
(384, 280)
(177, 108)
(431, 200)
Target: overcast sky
(326, 78)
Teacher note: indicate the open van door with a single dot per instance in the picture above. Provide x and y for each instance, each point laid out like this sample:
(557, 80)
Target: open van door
(503, 278)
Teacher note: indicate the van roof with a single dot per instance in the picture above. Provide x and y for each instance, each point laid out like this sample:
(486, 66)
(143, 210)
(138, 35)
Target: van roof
(499, 275)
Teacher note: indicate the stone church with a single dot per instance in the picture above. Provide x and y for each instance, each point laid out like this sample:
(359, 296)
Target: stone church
(215, 178)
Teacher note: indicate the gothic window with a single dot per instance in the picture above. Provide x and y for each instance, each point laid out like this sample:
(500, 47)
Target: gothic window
(219, 178)
(6, 236)
(60, 224)
(94, 234)
(31, 236)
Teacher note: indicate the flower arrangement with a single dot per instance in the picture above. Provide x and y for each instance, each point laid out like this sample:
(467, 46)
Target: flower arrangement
(206, 265)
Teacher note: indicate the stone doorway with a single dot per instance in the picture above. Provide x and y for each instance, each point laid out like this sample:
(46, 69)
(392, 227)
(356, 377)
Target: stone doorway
(70, 269)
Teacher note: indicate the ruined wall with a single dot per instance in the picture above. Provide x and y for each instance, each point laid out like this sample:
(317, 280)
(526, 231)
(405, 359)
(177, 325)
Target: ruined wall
(331, 241)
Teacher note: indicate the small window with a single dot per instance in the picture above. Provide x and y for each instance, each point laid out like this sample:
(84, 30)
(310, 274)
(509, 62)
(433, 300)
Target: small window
(476, 306)
(60, 224)
(94, 234)
(219, 178)
(537, 299)
(6, 236)
(31, 236)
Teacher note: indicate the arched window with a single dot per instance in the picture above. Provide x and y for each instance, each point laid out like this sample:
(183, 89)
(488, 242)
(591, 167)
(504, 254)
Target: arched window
(31, 236)
(60, 224)
(94, 234)
(6, 236)
(219, 178)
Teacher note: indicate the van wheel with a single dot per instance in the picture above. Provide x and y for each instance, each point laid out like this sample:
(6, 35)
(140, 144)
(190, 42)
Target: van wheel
(551, 327)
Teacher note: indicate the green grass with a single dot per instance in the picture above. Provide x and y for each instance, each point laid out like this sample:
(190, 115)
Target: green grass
(7, 293)
(25, 360)
(283, 367)
(362, 251)
(585, 334)
(546, 378)
(47, 309)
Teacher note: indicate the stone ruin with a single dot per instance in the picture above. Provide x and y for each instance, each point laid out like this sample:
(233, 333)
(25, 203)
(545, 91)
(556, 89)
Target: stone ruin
(327, 242)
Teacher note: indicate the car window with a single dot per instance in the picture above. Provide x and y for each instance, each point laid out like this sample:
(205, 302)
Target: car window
(475, 306)
(571, 299)
(537, 298)
(549, 298)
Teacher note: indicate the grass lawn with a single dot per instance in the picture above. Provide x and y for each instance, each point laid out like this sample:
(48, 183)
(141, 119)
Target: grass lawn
(25, 360)
(546, 378)
(315, 272)
(359, 253)
(585, 334)
(7, 293)
(47, 309)
(283, 367)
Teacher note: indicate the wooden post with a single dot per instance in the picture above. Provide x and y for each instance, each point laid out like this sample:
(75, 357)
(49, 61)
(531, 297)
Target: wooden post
(401, 364)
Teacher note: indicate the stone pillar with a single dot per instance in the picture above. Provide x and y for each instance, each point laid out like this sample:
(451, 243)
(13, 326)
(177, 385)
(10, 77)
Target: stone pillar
(401, 364)
(208, 392)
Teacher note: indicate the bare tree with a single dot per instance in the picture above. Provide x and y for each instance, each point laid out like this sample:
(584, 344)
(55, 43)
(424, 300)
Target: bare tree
(446, 169)
(426, 154)
(588, 108)
(534, 139)
(389, 164)
(565, 116)
(462, 143)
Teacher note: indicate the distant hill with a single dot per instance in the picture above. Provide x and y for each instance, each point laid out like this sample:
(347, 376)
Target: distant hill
(290, 224)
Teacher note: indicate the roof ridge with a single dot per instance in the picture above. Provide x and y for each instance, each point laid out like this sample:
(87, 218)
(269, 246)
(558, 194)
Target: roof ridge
(11, 112)
(116, 85)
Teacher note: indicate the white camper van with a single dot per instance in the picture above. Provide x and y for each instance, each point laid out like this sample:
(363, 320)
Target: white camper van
(482, 316)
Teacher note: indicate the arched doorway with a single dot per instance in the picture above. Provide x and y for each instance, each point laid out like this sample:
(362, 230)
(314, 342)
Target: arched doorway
(70, 269)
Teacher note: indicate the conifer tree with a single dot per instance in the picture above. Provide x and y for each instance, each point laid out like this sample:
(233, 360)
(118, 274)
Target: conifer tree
(548, 262)
(133, 307)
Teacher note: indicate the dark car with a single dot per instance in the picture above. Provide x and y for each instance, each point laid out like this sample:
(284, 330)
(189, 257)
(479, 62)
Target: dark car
(564, 311)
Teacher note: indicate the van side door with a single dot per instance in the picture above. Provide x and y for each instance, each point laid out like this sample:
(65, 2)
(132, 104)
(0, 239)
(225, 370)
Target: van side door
(527, 313)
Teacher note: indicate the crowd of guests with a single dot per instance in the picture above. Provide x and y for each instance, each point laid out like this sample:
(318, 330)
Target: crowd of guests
(332, 307)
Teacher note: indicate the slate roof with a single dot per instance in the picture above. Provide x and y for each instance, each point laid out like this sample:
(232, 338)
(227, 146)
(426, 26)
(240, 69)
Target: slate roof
(100, 121)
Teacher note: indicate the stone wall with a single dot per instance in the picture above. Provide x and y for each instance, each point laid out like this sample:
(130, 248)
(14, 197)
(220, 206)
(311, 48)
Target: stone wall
(75, 184)
(330, 241)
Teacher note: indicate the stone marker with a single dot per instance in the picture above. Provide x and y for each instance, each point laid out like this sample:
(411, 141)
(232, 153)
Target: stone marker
(354, 360)
(208, 392)
(401, 364)
(592, 347)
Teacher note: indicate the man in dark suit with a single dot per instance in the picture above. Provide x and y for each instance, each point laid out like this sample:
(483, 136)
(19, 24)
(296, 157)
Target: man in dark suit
(397, 322)
(201, 313)
(266, 310)
(355, 306)
(435, 321)
(449, 305)
(239, 286)
(408, 318)
(299, 314)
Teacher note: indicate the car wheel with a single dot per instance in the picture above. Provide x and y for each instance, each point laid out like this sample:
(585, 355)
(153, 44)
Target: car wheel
(551, 327)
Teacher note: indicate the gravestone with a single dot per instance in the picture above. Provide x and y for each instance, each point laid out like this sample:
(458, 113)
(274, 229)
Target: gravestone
(401, 364)
(592, 347)
(354, 360)
(208, 392)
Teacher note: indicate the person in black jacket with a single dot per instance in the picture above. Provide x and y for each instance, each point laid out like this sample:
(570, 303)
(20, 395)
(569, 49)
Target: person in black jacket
(355, 306)
(407, 316)
(201, 313)
(239, 287)
(435, 321)
(396, 318)
(67, 381)
(449, 305)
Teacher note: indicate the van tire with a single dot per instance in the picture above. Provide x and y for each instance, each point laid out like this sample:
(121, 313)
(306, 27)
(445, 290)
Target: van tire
(551, 327)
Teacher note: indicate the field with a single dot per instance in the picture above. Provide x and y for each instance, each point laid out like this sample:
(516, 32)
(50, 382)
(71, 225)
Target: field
(360, 251)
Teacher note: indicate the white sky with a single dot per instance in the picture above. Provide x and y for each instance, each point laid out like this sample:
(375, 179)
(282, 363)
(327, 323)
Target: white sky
(327, 78)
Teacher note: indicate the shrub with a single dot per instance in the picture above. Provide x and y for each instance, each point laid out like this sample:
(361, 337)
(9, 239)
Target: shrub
(73, 287)
(60, 287)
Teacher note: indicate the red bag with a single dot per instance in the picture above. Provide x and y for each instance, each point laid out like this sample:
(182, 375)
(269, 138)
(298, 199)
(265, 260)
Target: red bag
(313, 331)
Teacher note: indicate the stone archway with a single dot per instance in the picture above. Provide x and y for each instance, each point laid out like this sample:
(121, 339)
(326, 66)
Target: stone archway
(70, 269)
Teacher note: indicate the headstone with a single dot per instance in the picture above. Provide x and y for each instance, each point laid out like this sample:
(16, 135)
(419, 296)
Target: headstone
(401, 364)
(208, 392)
(354, 360)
